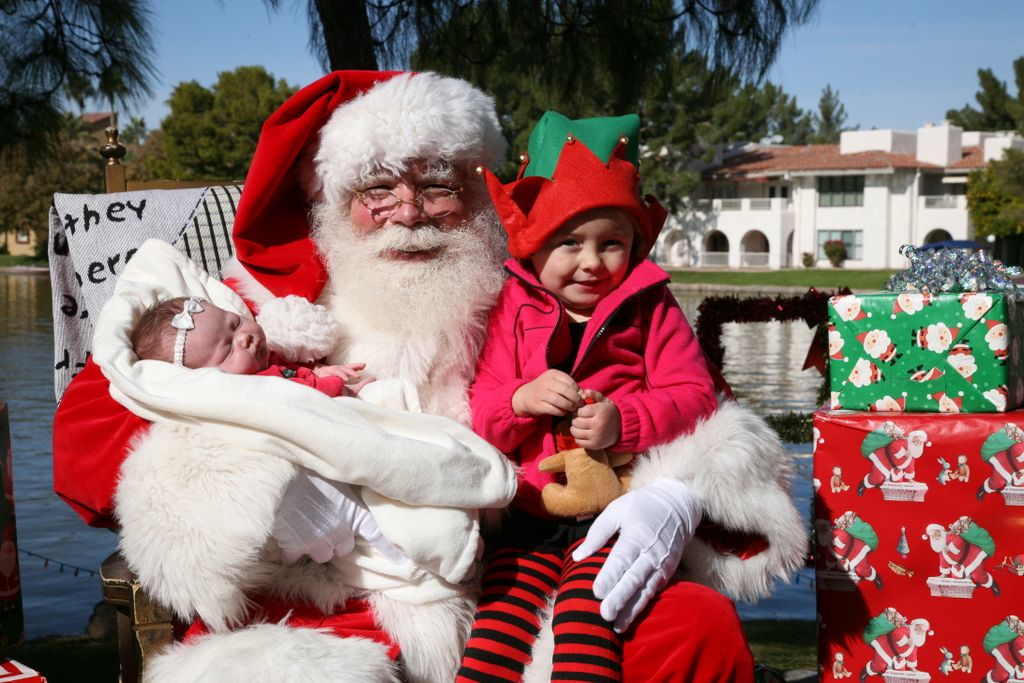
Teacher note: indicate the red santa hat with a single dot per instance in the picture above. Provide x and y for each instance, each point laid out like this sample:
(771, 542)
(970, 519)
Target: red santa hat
(924, 626)
(331, 134)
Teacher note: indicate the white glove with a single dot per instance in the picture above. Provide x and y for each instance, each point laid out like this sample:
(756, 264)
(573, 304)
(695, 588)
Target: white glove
(322, 518)
(654, 523)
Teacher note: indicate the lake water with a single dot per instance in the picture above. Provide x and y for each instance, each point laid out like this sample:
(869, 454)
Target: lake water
(762, 363)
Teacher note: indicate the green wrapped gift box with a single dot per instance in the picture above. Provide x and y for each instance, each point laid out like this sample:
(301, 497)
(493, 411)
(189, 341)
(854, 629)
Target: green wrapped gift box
(923, 352)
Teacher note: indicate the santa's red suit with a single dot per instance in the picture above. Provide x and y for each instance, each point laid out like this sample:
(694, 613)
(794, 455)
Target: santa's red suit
(1009, 662)
(960, 559)
(895, 462)
(852, 554)
(895, 650)
(1007, 470)
(380, 122)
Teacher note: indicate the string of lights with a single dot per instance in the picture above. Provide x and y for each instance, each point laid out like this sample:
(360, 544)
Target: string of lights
(61, 566)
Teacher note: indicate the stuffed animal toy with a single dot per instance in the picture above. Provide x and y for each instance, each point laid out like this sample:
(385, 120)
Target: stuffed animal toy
(591, 479)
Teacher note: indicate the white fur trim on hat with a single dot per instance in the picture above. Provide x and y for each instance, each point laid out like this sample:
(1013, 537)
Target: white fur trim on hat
(408, 117)
(298, 330)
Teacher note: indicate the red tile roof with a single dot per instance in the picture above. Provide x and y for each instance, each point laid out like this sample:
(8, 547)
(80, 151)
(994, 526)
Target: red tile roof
(96, 117)
(779, 159)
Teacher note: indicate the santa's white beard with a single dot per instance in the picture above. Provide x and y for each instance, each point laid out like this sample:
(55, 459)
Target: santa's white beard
(418, 320)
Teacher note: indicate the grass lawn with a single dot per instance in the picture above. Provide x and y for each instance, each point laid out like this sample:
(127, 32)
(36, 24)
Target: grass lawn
(783, 644)
(7, 261)
(819, 278)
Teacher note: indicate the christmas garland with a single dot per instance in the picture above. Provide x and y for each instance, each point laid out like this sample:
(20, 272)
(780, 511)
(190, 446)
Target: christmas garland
(810, 307)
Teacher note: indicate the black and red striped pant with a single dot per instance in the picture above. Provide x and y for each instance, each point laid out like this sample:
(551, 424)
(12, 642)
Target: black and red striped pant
(518, 585)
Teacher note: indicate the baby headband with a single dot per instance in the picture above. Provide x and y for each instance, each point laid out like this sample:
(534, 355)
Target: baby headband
(183, 322)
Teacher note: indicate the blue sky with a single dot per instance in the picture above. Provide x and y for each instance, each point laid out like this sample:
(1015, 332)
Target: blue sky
(896, 63)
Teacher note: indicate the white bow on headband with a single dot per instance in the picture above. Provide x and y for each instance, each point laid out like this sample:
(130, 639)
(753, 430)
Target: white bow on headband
(183, 322)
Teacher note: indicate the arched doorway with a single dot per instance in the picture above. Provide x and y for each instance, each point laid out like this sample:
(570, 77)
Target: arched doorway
(788, 258)
(715, 252)
(754, 250)
(937, 235)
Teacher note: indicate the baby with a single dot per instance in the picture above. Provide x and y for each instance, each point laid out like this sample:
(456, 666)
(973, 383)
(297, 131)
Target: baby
(194, 333)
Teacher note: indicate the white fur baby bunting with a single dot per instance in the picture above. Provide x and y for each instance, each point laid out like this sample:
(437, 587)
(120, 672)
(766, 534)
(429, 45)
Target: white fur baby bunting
(198, 494)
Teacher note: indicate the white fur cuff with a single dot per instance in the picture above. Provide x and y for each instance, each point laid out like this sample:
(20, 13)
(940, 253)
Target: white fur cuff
(273, 653)
(298, 330)
(739, 470)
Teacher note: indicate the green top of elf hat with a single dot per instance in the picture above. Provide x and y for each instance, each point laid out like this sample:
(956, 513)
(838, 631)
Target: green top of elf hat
(600, 135)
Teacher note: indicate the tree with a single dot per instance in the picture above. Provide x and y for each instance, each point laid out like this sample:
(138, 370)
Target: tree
(830, 119)
(997, 109)
(77, 49)
(575, 45)
(135, 132)
(37, 179)
(212, 132)
(995, 196)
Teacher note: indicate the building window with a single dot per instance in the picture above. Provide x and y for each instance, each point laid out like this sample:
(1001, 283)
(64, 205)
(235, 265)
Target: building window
(21, 236)
(724, 191)
(846, 190)
(853, 240)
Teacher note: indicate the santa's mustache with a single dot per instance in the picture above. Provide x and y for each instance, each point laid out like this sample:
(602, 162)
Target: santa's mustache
(400, 238)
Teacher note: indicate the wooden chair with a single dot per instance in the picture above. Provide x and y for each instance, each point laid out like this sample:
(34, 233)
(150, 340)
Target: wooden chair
(143, 625)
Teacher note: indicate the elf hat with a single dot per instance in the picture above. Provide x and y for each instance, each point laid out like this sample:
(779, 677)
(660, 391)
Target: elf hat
(572, 167)
(332, 134)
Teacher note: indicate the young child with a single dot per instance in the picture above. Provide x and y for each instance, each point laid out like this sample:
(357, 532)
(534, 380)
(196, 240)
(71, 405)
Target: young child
(586, 333)
(194, 333)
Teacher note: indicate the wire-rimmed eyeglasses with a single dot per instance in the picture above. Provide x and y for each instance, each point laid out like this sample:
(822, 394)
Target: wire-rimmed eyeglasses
(434, 202)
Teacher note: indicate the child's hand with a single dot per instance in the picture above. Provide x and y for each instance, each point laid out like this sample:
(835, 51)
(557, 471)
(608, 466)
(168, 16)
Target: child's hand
(597, 424)
(349, 372)
(552, 393)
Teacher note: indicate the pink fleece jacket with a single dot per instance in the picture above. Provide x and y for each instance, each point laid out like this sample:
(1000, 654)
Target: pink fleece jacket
(638, 350)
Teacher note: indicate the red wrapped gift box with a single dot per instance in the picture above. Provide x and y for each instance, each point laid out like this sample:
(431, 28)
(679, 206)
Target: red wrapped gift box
(919, 546)
(11, 670)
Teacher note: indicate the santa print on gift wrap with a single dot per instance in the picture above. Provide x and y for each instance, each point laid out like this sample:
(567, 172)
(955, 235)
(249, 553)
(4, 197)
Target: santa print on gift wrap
(1004, 642)
(893, 455)
(879, 345)
(1004, 452)
(910, 303)
(895, 643)
(963, 551)
(961, 357)
(936, 337)
(850, 541)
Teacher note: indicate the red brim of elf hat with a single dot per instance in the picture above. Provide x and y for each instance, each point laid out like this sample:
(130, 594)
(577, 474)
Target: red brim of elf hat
(271, 231)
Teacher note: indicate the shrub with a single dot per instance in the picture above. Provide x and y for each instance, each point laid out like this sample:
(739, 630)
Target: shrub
(835, 251)
(808, 259)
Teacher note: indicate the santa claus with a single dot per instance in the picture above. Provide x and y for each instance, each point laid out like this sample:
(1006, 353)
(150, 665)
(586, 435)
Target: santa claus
(410, 281)
(1005, 643)
(853, 540)
(962, 551)
(893, 456)
(895, 643)
(1004, 452)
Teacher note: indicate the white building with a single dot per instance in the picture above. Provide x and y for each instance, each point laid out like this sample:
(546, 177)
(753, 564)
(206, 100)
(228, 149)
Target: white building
(766, 205)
